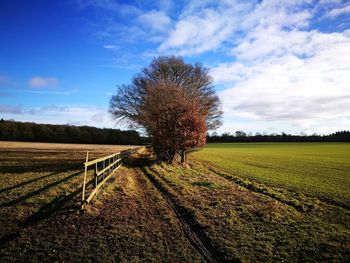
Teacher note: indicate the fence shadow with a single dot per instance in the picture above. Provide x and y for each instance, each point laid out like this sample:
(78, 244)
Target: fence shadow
(66, 203)
(35, 167)
(38, 178)
(40, 190)
(61, 204)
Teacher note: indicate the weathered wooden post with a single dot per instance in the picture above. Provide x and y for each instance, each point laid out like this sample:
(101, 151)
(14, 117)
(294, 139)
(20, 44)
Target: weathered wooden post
(96, 169)
(85, 174)
(183, 156)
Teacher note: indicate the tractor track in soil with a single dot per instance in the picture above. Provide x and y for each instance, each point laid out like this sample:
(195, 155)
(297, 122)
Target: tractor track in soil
(185, 226)
(253, 188)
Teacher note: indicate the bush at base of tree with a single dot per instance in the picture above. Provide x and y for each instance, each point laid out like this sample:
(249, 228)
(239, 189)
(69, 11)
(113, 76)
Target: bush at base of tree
(174, 122)
(174, 102)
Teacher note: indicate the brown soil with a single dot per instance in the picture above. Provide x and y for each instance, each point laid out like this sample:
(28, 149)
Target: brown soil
(129, 222)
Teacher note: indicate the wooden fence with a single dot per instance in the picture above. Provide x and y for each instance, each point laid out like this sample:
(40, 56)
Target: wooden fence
(104, 168)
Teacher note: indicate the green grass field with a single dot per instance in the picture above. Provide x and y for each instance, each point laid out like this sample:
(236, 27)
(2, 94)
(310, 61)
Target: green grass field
(319, 169)
(231, 202)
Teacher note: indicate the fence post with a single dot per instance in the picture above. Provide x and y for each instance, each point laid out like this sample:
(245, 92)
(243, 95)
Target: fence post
(114, 162)
(85, 174)
(96, 174)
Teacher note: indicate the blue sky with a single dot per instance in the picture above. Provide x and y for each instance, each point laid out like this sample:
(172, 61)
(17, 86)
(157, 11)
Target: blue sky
(277, 65)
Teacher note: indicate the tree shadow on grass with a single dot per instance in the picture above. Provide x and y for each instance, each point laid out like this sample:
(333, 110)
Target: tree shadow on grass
(140, 161)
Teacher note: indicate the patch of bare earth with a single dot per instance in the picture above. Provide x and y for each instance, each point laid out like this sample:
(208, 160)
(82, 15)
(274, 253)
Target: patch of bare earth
(129, 222)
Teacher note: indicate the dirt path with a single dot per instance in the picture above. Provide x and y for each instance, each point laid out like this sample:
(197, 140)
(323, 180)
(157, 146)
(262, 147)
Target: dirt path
(129, 222)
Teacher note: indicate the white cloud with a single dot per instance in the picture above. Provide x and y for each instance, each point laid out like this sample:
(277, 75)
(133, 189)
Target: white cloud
(110, 5)
(285, 77)
(110, 46)
(284, 73)
(202, 30)
(299, 78)
(208, 25)
(50, 92)
(10, 109)
(59, 114)
(339, 11)
(42, 82)
(155, 20)
(165, 4)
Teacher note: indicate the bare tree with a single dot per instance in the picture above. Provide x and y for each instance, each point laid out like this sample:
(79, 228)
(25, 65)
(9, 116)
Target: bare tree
(173, 101)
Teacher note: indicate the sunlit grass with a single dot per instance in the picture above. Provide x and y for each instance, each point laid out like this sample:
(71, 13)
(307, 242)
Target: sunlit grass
(321, 169)
(251, 221)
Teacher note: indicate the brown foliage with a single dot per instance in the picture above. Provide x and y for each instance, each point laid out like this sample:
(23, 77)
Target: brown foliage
(174, 102)
(174, 121)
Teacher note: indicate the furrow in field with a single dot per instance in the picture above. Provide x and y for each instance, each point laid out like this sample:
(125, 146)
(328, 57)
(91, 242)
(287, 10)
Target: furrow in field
(250, 226)
(299, 201)
(190, 210)
(181, 213)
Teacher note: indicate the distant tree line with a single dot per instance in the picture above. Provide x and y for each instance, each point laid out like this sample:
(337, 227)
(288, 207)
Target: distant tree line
(33, 132)
(240, 136)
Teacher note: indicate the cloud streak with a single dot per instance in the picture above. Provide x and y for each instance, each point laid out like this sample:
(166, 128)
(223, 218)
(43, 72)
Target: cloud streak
(42, 82)
(110, 46)
(202, 28)
(50, 92)
(11, 109)
(59, 114)
(339, 11)
(155, 20)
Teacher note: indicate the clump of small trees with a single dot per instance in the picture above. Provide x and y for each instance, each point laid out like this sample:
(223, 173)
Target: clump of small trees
(174, 102)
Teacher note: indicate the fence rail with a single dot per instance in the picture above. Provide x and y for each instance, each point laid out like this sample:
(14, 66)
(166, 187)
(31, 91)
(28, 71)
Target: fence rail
(104, 168)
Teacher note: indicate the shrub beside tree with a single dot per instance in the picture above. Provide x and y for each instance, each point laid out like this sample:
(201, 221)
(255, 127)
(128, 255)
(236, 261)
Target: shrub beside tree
(174, 102)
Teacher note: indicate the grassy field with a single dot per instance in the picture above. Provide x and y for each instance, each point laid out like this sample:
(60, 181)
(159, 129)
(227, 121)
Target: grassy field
(320, 169)
(35, 179)
(223, 207)
(40, 220)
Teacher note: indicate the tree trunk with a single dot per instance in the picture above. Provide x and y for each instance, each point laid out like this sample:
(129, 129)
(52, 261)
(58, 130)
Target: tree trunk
(183, 157)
